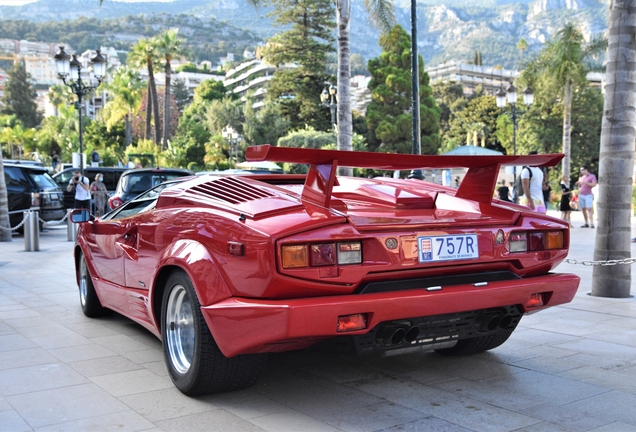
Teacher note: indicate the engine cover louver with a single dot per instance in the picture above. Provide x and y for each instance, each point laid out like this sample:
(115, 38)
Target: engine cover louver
(230, 190)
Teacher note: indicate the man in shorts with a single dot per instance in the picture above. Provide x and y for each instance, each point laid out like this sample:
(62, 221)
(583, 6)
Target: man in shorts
(532, 182)
(586, 198)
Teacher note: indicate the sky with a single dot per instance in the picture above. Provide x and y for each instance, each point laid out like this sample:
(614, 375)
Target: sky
(21, 2)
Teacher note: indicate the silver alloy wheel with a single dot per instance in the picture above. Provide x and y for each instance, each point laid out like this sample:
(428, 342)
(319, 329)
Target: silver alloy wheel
(180, 329)
(82, 290)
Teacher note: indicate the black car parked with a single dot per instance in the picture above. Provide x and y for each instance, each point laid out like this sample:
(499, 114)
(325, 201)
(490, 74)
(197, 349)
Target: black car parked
(135, 181)
(111, 178)
(30, 186)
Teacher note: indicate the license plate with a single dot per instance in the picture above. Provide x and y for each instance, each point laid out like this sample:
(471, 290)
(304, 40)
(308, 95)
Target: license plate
(447, 248)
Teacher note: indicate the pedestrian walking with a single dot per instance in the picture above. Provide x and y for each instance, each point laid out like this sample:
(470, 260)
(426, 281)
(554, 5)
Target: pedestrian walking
(503, 193)
(566, 196)
(586, 198)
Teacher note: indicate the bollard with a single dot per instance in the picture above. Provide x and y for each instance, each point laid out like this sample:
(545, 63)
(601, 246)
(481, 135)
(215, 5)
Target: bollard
(31, 231)
(71, 228)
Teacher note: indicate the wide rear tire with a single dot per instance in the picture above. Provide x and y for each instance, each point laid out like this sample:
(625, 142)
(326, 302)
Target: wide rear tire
(195, 363)
(476, 345)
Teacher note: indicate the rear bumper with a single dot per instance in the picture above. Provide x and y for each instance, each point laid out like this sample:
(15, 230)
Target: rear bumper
(241, 325)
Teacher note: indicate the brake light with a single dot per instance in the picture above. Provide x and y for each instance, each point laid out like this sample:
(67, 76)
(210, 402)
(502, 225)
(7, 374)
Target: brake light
(536, 300)
(347, 323)
(115, 202)
(321, 254)
(535, 241)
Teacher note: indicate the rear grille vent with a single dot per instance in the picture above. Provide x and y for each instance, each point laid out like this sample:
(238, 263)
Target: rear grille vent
(231, 190)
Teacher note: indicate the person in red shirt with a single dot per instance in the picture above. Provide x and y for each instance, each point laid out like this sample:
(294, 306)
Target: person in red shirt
(586, 198)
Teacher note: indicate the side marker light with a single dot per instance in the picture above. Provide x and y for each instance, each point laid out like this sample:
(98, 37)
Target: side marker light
(347, 323)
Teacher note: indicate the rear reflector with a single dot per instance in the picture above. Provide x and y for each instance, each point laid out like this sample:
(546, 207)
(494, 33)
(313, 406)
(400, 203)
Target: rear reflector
(347, 323)
(536, 300)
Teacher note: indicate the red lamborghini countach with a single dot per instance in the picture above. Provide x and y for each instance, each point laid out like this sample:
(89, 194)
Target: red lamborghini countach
(225, 269)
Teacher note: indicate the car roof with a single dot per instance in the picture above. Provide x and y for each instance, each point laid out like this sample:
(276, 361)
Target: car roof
(156, 170)
(29, 167)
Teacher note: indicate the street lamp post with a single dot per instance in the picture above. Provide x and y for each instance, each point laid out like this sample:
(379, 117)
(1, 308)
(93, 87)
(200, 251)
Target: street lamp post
(329, 99)
(233, 138)
(510, 96)
(73, 68)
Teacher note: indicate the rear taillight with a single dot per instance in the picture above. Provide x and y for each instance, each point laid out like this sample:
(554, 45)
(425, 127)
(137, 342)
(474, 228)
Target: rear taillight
(353, 322)
(321, 254)
(531, 241)
(115, 202)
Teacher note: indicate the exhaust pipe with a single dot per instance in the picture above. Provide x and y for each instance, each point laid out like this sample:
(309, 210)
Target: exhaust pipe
(505, 322)
(488, 322)
(411, 334)
(391, 336)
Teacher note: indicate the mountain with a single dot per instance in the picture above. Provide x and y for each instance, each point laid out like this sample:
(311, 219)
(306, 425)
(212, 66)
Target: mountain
(447, 29)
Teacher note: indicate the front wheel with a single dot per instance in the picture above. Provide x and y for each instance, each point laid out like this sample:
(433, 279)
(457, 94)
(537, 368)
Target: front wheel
(194, 361)
(91, 306)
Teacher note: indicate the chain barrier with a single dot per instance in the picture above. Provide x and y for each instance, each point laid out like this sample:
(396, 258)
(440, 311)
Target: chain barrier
(15, 228)
(44, 223)
(601, 263)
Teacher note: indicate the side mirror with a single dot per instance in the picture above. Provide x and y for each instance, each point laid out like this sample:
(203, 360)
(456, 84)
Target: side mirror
(80, 216)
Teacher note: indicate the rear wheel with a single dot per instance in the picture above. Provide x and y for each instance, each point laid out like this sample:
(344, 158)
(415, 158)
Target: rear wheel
(91, 306)
(476, 345)
(195, 363)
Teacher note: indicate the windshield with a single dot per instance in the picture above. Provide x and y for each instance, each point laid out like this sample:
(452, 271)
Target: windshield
(137, 183)
(42, 179)
(142, 203)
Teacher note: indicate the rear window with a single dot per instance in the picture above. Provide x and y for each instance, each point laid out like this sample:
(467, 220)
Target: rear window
(42, 179)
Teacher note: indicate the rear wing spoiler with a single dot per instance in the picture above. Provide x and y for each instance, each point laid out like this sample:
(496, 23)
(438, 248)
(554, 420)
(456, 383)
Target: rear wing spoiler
(478, 184)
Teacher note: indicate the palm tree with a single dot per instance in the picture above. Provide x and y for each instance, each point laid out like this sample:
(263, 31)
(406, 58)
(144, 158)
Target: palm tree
(617, 157)
(566, 60)
(169, 46)
(58, 94)
(126, 87)
(144, 54)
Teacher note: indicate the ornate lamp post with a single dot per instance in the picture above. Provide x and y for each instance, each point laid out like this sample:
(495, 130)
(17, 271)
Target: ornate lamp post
(329, 99)
(510, 96)
(233, 138)
(73, 68)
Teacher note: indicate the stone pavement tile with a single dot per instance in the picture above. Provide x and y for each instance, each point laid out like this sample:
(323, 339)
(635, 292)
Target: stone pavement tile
(67, 338)
(81, 352)
(126, 421)
(4, 405)
(545, 427)
(217, 420)
(11, 421)
(290, 421)
(17, 314)
(92, 329)
(166, 404)
(131, 382)
(460, 410)
(6, 329)
(568, 326)
(617, 336)
(587, 414)
(325, 398)
(531, 336)
(600, 348)
(144, 356)
(246, 404)
(25, 357)
(157, 368)
(12, 342)
(611, 379)
(65, 404)
(36, 378)
(104, 366)
(120, 344)
(13, 306)
(372, 417)
(34, 321)
(615, 427)
(428, 424)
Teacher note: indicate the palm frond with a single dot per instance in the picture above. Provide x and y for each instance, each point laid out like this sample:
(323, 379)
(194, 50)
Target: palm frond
(381, 14)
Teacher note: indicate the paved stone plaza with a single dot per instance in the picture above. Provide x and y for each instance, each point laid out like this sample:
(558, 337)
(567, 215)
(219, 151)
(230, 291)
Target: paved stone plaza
(571, 367)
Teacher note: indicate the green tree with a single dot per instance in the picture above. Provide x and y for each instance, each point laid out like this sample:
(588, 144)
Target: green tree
(304, 45)
(181, 94)
(389, 116)
(144, 55)
(617, 157)
(58, 94)
(564, 63)
(126, 87)
(265, 126)
(477, 116)
(169, 46)
(19, 97)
